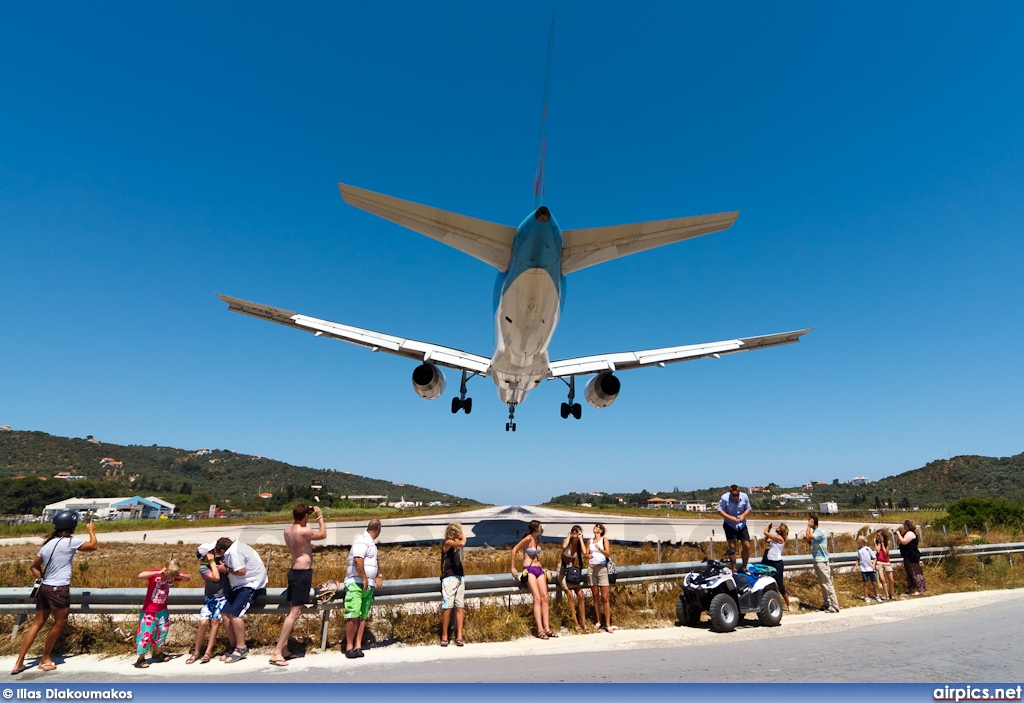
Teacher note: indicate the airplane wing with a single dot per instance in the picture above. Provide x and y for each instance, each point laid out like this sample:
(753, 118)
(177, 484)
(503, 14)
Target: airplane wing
(668, 355)
(586, 247)
(487, 241)
(375, 341)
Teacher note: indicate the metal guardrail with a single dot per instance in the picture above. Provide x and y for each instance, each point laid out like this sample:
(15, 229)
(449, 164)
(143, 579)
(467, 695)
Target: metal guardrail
(186, 601)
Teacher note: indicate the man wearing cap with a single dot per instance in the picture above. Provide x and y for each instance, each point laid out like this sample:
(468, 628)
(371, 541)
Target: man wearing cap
(361, 579)
(299, 539)
(248, 579)
(734, 507)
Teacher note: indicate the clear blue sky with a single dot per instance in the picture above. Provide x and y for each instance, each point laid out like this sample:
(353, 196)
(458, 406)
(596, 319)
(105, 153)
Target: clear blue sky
(154, 154)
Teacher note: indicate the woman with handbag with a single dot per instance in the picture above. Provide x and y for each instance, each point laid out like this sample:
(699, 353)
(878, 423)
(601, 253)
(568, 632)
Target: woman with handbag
(53, 590)
(536, 579)
(909, 537)
(600, 557)
(570, 577)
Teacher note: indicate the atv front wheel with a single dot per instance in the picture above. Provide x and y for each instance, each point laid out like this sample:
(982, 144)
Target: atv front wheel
(724, 613)
(687, 615)
(770, 612)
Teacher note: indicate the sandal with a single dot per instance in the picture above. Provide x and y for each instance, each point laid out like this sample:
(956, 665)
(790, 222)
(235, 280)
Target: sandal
(237, 655)
(444, 643)
(542, 635)
(193, 659)
(141, 664)
(459, 642)
(549, 633)
(205, 659)
(160, 658)
(50, 666)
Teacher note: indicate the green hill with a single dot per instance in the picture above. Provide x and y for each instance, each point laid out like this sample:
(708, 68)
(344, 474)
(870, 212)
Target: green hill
(936, 483)
(192, 479)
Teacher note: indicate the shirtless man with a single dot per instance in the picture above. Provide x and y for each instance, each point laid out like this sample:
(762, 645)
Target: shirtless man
(299, 539)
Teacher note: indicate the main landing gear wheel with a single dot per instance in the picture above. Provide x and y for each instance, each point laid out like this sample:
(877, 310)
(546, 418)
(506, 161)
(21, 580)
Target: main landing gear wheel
(571, 408)
(510, 426)
(462, 402)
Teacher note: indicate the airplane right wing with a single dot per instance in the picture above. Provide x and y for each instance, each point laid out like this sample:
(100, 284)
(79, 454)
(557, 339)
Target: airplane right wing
(487, 241)
(606, 363)
(586, 247)
(423, 352)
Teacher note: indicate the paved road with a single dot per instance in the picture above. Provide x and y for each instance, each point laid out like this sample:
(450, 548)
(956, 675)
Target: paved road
(949, 638)
(495, 526)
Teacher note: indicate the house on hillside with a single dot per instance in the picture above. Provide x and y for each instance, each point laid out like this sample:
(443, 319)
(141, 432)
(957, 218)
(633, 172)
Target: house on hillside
(202, 452)
(5, 428)
(795, 497)
(657, 502)
(113, 463)
(68, 476)
(696, 506)
(860, 480)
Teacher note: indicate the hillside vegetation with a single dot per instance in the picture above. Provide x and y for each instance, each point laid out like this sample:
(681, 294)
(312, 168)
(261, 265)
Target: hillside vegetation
(188, 478)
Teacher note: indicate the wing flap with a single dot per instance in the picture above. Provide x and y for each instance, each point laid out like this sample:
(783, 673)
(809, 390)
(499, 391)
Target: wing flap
(624, 361)
(587, 247)
(487, 241)
(377, 341)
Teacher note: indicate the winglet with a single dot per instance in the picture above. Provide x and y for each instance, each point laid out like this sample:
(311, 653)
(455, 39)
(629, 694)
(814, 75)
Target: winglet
(538, 181)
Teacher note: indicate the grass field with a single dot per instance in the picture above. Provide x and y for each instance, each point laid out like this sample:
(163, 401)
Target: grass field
(633, 605)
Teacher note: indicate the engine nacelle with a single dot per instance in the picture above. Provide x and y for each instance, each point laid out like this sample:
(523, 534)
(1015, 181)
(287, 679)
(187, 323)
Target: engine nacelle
(602, 390)
(428, 381)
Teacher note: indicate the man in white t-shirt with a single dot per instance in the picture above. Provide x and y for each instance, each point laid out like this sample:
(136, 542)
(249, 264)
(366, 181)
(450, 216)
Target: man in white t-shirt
(248, 579)
(361, 579)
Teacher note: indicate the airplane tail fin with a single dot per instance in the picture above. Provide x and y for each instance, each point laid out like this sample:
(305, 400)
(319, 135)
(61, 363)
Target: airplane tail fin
(538, 181)
(481, 239)
(586, 247)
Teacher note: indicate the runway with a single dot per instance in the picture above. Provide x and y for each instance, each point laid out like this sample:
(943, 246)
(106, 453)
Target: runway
(495, 526)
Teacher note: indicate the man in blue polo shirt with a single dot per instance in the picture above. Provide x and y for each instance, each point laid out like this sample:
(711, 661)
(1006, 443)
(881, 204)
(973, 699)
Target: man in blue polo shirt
(734, 507)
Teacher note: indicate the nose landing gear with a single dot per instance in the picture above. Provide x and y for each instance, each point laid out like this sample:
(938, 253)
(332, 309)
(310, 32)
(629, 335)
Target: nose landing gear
(511, 424)
(571, 408)
(462, 402)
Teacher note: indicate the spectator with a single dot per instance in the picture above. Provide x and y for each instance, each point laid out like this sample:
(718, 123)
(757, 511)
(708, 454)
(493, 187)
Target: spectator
(453, 587)
(298, 537)
(866, 563)
(572, 557)
(734, 507)
(773, 556)
(361, 579)
(52, 566)
(215, 581)
(248, 580)
(153, 626)
(600, 585)
(883, 565)
(909, 538)
(815, 536)
(536, 579)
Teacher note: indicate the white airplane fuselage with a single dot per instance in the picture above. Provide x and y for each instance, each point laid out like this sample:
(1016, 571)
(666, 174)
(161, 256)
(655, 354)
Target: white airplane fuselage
(528, 299)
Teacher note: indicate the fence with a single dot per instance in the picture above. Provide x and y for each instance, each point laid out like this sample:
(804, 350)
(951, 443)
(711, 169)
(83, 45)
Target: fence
(188, 600)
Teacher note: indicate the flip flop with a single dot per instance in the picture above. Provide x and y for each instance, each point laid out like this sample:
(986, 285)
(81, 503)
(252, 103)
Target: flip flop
(444, 643)
(15, 672)
(279, 662)
(141, 664)
(459, 643)
(47, 667)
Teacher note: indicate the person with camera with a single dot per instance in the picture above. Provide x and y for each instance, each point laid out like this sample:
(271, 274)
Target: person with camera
(215, 582)
(816, 537)
(909, 546)
(884, 564)
(453, 586)
(52, 591)
(773, 556)
(734, 507)
(570, 577)
(248, 579)
(600, 550)
(298, 537)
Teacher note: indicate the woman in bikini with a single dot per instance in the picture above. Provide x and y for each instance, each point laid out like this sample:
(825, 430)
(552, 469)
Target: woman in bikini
(535, 576)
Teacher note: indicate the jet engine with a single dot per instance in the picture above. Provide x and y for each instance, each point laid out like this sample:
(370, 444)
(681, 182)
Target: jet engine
(428, 381)
(602, 390)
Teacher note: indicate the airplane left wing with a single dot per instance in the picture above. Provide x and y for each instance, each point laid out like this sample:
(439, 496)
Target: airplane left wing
(668, 355)
(409, 348)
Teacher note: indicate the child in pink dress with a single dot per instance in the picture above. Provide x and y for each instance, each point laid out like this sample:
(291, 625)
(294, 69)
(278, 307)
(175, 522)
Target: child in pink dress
(153, 624)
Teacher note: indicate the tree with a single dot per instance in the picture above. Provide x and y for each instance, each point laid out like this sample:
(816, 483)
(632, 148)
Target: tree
(186, 489)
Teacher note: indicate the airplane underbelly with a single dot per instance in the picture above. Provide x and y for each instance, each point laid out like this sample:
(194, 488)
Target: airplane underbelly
(525, 322)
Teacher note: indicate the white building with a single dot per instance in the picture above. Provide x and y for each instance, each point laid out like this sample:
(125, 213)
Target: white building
(106, 508)
(698, 507)
(166, 508)
(860, 480)
(829, 508)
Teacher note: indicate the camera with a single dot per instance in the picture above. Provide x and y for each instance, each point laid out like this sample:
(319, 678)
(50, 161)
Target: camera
(35, 588)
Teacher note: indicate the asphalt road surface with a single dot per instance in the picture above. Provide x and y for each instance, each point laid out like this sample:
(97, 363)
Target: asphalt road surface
(496, 526)
(941, 639)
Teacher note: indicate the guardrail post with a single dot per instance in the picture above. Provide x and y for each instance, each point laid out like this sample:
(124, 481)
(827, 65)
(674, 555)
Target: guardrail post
(325, 621)
(19, 620)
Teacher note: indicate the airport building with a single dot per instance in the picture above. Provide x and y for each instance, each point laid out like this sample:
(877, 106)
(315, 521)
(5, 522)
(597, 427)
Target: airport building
(112, 508)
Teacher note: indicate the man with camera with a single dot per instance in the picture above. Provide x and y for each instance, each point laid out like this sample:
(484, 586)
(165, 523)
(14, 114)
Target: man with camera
(248, 579)
(299, 539)
(734, 507)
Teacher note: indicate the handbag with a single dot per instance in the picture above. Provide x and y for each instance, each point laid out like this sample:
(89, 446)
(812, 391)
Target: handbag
(573, 575)
(613, 575)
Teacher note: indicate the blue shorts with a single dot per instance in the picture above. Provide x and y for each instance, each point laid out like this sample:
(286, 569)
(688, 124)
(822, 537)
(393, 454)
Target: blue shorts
(239, 600)
(211, 608)
(869, 576)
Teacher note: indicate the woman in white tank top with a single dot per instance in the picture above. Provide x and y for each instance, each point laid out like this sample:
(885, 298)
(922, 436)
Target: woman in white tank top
(600, 553)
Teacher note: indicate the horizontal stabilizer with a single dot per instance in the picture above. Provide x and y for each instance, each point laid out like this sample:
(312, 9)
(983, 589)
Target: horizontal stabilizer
(487, 241)
(586, 247)
(409, 348)
(624, 361)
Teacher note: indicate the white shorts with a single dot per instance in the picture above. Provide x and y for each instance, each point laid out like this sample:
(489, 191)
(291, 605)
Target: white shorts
(453, 593)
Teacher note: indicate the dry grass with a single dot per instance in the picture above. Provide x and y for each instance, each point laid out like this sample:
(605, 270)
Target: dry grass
(498, 619)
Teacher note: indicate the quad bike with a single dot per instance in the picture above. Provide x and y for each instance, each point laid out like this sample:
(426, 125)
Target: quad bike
(727, 596)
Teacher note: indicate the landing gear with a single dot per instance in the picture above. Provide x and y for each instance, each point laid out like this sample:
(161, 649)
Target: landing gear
(462, 402)
(511, 424)
(571, 408)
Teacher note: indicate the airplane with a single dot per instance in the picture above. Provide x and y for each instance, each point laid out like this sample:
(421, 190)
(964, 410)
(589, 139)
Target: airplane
(532, 260)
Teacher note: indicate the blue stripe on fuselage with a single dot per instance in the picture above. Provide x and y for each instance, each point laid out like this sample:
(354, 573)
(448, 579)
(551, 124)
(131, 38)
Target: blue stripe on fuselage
(537, 245)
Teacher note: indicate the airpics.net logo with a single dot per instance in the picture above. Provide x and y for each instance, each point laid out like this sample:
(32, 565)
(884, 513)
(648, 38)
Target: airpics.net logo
(977, 693)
